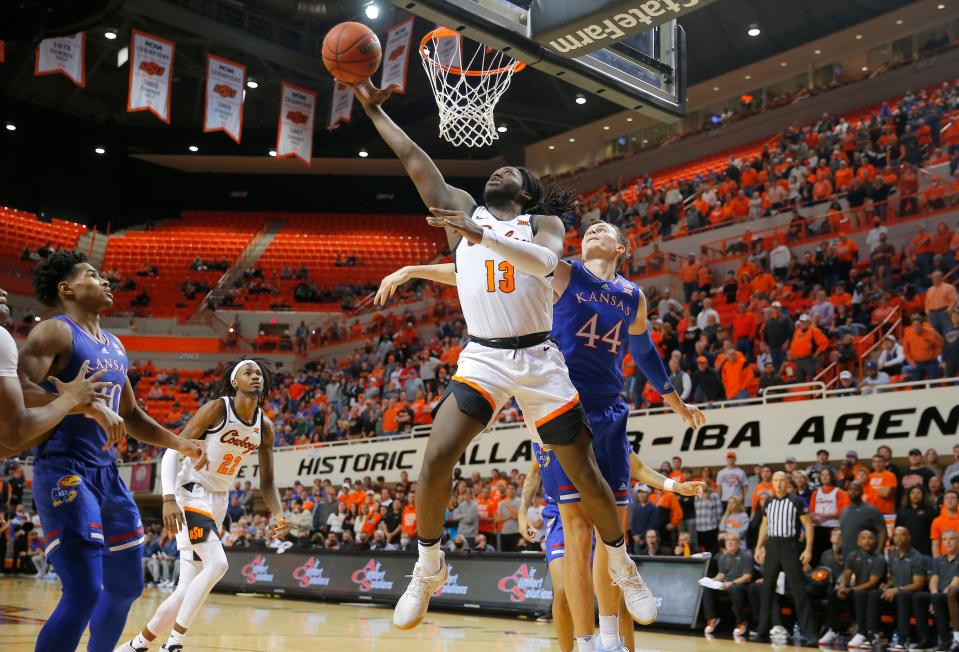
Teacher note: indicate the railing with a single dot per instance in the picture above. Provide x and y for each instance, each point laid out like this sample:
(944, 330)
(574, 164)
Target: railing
(896, 326)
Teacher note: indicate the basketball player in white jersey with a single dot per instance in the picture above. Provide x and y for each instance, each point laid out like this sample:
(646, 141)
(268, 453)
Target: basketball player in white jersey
(195, 496)
(505, 252)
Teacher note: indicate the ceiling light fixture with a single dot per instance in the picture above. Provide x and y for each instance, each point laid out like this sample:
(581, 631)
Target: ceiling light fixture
(899, 22)
(11, 127)
(272, 153)
(372, 10)
(580, 98)
(817, 52)
(865, 68)
(251, 83)
(748, 77)
(782, 64)
(572, 140)
(715, 88)
(502, 128)
(605, 127)
(99, 150)
(858, 37)
(193, 148)
(940, 6)
(753, 30)
(629, 119)
(552, 147)
(363, 153)
(110, 34)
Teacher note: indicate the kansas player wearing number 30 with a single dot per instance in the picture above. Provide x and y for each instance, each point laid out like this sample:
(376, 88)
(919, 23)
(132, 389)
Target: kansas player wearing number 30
(195, 494)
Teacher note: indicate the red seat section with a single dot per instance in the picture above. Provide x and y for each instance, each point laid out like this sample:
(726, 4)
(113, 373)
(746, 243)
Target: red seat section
(19, 229)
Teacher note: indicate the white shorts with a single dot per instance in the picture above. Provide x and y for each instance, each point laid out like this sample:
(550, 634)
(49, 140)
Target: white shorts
(486, 378)
(204, 511)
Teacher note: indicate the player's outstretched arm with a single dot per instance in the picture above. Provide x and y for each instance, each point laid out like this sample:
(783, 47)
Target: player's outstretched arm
(641, 473)
(271, 495)
(646, 356)
(141, 426)
(441, 273)
(429, 181)
(537, 258)
(207, 417)
(530, 485)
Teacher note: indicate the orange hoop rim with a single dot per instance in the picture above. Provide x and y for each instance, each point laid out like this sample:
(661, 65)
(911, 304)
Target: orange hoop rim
(445, 32)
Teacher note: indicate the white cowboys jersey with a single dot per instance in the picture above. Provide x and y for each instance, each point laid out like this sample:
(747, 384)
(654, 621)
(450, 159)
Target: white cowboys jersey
(228, 444)
(497, 299)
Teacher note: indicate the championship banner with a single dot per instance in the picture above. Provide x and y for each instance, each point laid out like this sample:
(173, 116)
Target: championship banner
(223, 109)
(151, 69)
(341, 109)
(294, 136)
(396, 58)
(63, 55)
(449, 51)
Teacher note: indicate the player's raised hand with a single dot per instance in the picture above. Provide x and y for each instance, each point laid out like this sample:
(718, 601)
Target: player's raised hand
(389, 284)
(370, 96)
(457, 221)
(281, 528)
(83, 389)
(691, 488)
(692, 416)
(172, 515)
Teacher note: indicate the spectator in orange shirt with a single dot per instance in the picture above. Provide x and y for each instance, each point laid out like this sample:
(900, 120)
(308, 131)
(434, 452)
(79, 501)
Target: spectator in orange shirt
(908, 189)
(670, 511)
(675, 469)
(736, 374)
(921, 345)
(409, 519)
(765, 485)
(922, 247)
(745, 326)
(822, 189)
(948, 519)
(705, 279)
(939, 302)
(763, 283)
(840, 297)
(739, 206)
(847, 253)
(882, 486)
(806, 348)
(843, 176)
(748, 268)
(689, 273)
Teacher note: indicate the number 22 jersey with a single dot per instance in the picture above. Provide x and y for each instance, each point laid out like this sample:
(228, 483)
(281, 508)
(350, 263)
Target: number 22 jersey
(591, 325)
(227, 445)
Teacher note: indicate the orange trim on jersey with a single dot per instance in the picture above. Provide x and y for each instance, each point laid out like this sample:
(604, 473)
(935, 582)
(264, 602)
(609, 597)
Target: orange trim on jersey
(573, 402)
(199, 511)
(470, 383)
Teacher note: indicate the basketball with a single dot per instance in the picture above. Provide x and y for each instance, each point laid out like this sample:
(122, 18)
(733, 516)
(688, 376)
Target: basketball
(351, 52)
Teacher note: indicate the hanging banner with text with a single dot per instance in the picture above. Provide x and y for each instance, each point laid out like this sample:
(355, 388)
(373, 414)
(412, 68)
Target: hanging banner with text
(151, 69)
(224, 96)
(396, 59)
(341, 108)
(927, 418)
(295, 133)
(63, 55)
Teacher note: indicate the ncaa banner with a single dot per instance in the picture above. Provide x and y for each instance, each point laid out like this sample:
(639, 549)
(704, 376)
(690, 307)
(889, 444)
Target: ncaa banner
(151, 69)
(295, 133)
(760, 433)
(341, 109)
(223, 110)
(396, 58)
(63, 55)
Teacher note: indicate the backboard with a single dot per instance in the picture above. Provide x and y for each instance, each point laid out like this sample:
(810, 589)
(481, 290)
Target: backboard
(641, 69)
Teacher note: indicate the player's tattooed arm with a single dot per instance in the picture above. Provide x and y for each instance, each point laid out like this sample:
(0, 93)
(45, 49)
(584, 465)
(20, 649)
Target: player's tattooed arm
(442, 273)
(643, 474)
(530, 487)
(271, 495)
(427, 178)
(142, 427)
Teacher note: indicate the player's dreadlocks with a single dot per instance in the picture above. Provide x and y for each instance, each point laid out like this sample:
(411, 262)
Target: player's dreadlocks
(551, 200)
(224, 385)
(48, 275)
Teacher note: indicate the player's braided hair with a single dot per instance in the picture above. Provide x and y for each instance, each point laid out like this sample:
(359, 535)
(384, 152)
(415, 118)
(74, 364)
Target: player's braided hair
(552, 200)
(223, 386)
(48, 274)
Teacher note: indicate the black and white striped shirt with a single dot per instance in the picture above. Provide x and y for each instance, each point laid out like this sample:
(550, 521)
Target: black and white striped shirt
(782, 516)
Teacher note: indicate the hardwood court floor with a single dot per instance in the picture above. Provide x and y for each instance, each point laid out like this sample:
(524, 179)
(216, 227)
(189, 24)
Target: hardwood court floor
(260, 624)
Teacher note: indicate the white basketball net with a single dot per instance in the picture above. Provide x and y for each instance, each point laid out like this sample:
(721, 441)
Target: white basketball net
(466, 94)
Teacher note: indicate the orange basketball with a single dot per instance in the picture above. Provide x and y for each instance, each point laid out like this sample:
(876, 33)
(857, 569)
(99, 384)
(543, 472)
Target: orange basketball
(351, 52)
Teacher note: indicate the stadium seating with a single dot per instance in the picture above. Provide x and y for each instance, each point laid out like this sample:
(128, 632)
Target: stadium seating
(19, 229)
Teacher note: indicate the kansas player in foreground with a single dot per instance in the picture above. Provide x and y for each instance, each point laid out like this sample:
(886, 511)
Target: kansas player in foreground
(93, 531)
(595, 311)
(195, 495)
(505, 251)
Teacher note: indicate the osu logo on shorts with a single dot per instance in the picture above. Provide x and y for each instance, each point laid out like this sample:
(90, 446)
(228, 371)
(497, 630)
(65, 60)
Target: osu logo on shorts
(66, 490)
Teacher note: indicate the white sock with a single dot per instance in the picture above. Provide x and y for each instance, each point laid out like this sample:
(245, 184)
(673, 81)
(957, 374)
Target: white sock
(176, 638)
(609, 631)
(430, 557)
(140, 642)
(618, 560)
(585, 644)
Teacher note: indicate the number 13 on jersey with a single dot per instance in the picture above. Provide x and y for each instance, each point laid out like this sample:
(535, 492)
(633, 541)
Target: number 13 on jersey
(506, 284)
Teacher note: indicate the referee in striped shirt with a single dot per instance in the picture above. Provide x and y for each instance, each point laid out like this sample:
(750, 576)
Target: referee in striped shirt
(778, 549)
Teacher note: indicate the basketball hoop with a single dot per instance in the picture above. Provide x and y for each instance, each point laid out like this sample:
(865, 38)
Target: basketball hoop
(466, 95)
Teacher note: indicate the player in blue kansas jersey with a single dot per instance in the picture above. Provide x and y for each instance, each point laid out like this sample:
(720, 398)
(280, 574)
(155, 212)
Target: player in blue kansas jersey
(92, 528)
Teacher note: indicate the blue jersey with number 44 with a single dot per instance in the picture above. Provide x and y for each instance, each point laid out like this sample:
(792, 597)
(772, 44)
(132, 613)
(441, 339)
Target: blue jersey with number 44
(591, 325)
(78, 436)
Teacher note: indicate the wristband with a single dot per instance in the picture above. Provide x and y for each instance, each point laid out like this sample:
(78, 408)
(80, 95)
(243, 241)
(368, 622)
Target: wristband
(669, 485)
